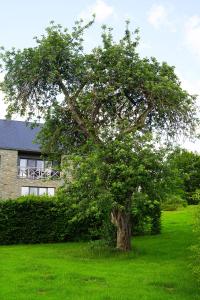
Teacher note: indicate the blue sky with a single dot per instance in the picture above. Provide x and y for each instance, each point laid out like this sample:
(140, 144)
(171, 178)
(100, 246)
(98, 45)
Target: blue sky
(170, 30)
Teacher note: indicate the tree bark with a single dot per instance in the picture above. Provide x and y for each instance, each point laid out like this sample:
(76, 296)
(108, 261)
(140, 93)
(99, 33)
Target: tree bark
(121, 220)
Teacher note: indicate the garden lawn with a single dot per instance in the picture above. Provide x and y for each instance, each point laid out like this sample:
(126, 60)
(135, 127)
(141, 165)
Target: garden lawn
(158, 267)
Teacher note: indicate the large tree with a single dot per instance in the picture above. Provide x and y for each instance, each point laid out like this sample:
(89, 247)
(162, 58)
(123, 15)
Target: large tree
(108, 94)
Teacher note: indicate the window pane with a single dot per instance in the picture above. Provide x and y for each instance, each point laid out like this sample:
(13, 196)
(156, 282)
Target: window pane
(31, 163)
(24, 190)
(42, 191)
(51, 191)
(40, 164)
(33, 191)
(23, 163)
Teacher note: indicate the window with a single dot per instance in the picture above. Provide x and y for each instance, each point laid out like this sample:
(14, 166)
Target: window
(37, 169)
(38, 191)
(25, 191)
(51, 191)
(33, 163)
(42, 191)
(33, 190)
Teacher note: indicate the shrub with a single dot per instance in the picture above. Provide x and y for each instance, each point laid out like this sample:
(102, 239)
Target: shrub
(43, 219)
(173, 202)
(108, 232)
(146, 215)
(195, 197)
(31, 220)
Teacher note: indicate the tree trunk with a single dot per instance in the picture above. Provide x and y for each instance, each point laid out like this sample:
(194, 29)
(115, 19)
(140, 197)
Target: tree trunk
(121, 220)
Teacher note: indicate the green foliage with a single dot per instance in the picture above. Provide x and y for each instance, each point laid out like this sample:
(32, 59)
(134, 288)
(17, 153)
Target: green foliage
(146, 215)
(108, 178)
(187, 165)
(195, 197)
(109, 175)
(30, 220)
(173, 202)
(43, 219)
(108, 92)
(108, 232)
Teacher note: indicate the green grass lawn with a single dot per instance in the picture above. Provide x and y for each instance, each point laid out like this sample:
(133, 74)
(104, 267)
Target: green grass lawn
(157, 268)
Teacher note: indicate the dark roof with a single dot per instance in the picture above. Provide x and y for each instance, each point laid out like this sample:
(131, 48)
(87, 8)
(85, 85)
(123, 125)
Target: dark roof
(18, 135)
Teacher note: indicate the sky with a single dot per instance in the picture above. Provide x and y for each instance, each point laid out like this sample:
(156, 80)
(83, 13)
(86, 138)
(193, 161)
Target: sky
(169, 30)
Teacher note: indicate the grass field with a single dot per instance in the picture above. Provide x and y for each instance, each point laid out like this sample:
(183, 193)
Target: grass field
(157, 268)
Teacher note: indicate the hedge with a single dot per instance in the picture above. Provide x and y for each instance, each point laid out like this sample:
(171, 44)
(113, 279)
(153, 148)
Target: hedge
(33, 219)
(41, 219)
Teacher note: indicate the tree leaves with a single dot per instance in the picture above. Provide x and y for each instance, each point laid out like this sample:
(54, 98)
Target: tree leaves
(106, 93)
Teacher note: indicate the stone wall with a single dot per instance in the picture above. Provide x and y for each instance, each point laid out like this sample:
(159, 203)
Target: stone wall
(10, 183)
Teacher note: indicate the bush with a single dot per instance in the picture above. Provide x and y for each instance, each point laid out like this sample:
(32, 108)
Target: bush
(195, 197)
(31, 220)
(146, 215)
(43, 219)
(173, 202)
(109, 232)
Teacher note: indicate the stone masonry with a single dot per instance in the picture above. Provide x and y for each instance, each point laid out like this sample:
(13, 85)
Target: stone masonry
(10, 183)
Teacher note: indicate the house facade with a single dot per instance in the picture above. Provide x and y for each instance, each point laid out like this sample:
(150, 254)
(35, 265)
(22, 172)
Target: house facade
(22, 170)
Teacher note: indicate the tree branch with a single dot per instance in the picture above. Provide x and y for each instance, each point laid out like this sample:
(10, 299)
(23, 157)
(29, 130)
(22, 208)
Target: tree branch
(88, 132)
(139, 123)
(97, 106)
(72, 108)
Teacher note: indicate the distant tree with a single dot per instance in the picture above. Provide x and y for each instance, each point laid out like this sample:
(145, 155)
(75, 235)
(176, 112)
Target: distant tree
(187, 164)
(109, 94)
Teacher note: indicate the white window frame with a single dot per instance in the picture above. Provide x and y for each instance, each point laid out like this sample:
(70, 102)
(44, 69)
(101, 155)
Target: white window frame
(26, 190)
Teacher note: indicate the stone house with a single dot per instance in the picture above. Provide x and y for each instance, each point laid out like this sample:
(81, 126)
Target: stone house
(22, 170)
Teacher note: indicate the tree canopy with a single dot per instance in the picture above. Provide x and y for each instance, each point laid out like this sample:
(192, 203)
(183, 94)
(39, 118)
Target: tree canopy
(107, 93)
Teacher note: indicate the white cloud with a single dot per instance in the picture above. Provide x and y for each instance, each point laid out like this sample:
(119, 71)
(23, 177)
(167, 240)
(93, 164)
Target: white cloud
(101, 9)
(157, 15)
(192, 34)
